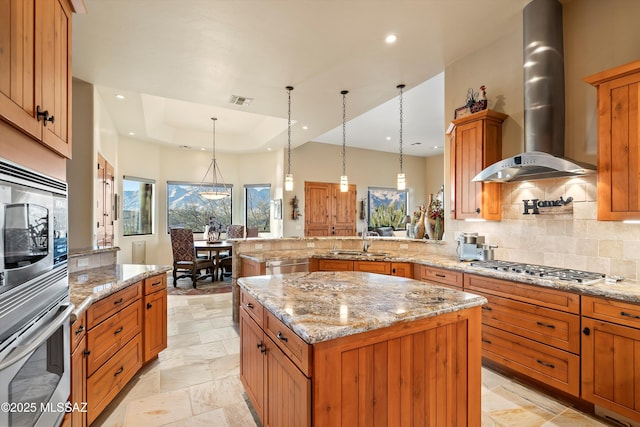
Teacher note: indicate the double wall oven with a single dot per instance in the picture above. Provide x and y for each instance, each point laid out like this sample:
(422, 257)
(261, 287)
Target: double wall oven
(34, 298)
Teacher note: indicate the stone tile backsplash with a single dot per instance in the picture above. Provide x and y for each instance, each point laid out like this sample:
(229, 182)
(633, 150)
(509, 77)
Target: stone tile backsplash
(575, 240)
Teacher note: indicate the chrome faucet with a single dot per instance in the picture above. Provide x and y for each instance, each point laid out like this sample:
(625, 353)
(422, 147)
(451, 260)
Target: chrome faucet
(365, 243)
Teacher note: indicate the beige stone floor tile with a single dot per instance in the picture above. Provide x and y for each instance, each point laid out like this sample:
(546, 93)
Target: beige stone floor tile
(218, 334)
(203, 352)
(183, 340)
(225, 366)
(239, 415)
(180, 377)
(520, 417)
(215, 418)
(194, 326)
(232, 345)
(158, 409)
(216, 394)
(572, 418)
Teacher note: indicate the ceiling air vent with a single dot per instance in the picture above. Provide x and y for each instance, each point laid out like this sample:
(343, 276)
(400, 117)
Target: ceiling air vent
(240, 100)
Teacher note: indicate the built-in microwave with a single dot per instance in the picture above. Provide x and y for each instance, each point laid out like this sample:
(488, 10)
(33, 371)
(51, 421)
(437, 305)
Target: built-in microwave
(33, 243)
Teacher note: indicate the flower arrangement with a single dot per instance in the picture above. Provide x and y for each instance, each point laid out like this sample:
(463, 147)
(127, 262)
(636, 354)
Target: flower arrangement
(436, 211)
(416, 213)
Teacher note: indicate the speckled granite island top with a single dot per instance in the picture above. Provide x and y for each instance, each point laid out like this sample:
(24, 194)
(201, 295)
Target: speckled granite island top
(322, 306)
(89, 286)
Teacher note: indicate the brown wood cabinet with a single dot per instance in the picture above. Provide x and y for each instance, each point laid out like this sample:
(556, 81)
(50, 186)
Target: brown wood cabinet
(402, 269)
(610, 355)
(328, 211)
(531, 330)
(441, 276)
(476, 142)
(105, 203)
(35, 70)
(155, 316)
(618, 142)
(78, 371)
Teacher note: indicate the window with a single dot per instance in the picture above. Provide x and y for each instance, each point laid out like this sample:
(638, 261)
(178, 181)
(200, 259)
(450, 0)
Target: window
(186, 208)
(387, 208)
(137, 206)
(257, 209)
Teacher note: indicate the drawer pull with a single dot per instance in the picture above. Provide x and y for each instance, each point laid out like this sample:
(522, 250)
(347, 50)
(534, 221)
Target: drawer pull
(546, 325)
(119, 371)
(118, 302)
(486, 307)
(486, 341)
(441, 275)
(249, 305)
(86, 352)
(79, 330)
(281, 337)
(262, 347)
(159, 282)
(149, 305)
(117, 331)
(548, 365)
(586, 331)
(622, 313)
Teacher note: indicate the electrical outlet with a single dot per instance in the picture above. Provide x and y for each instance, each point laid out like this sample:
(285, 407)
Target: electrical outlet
(258, 246)
(83, 262)
(311, 245)
(404, 246)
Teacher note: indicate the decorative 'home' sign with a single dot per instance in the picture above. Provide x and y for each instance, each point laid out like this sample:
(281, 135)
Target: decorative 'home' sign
(548, 207)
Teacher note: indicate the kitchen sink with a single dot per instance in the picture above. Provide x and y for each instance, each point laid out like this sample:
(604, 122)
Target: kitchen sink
(359, 253)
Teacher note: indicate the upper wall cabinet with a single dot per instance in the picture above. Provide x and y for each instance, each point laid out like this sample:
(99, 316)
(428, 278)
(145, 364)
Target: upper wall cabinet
(35, 70)
(476, 142)
(618, 142)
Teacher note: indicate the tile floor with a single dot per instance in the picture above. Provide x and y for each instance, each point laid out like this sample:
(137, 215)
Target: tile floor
(195, 381)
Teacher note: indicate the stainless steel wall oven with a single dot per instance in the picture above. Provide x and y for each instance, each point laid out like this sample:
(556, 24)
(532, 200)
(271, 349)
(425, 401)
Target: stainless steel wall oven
(34, 298)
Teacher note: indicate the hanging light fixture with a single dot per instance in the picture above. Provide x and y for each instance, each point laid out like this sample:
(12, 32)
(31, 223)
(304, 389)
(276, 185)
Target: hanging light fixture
(288, 179)
(216, 193)
(344, 181)
(402, 183)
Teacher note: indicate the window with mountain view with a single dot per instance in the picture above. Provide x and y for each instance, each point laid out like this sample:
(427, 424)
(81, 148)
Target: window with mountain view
(257, 208)
(137, 206)
(187, 208)
(387, 208)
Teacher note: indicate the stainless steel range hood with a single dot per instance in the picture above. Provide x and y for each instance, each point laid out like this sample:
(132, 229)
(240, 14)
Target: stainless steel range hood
(543, 103)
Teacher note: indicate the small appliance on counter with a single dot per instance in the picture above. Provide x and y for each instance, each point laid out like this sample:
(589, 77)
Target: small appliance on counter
(472, 247)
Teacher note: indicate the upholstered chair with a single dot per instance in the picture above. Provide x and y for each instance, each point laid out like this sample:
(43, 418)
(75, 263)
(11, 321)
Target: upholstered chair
(185, 261)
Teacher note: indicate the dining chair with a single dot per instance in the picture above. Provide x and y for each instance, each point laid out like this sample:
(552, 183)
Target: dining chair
(185, 260)
(235, 231)
(252, 231)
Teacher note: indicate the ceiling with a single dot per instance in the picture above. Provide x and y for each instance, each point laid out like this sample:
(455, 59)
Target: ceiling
(178, 62)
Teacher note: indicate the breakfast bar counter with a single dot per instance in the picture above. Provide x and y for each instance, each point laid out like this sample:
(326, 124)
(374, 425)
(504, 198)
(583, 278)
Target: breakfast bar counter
(345, 348)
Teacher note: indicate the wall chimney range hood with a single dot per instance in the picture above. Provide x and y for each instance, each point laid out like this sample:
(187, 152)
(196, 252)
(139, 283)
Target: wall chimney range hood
(543, 103)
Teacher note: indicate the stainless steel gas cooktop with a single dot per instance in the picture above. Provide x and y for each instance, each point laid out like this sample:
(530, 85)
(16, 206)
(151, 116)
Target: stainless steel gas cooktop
(575, 276)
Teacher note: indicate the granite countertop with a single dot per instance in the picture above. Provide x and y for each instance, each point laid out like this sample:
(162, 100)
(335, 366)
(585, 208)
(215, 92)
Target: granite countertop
(89, 286)
(74, 253)
(626, 290)
(322, 306)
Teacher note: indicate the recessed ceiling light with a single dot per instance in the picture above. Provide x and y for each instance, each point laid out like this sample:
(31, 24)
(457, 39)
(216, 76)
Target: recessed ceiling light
(388, 138)
(132, 133)
(202, 148)
(185, 147)
(391, 38)
(435, 147)
(269, 149)
(119, 96)
(305, 127)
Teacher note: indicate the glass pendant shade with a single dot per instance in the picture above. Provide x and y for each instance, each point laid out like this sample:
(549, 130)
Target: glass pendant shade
(288, 182)
(344, 184)
(402, 183)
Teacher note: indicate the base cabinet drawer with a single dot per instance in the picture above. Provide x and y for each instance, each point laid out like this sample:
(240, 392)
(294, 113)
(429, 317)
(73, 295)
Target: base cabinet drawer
(441, 276)
(107, 381)
(557, 368)
(551, 327)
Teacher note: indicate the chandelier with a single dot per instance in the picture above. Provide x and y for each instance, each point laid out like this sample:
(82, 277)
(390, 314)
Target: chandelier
(216, 193)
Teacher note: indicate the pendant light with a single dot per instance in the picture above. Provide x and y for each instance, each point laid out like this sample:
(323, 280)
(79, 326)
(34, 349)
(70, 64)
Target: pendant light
(216, 193)
(344, 181)
(288, 179)
(402, 183)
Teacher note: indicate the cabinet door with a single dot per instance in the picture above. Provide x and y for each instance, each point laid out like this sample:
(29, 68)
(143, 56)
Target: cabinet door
(288, 391)
(402, 269)
(155, 324)
(317, 209)
(380, 267)
(252, 361)
(18, 71)
(611, 366)
(469, 163)
(78, 384)
(53, 57)
(344, 211)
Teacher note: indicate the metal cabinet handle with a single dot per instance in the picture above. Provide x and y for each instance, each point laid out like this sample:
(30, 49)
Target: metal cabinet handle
(149, 305)
(486, 307)
(262, 347)
(79, 330)
(117, 331)
(281, 337)
(548, 365)
(44, 115)
(546, 325)
(119, 371)
(249, 305)
(622, 313)
(486, 341)
(586, 331)
(118, 302)
(159, 282)
(441, 275)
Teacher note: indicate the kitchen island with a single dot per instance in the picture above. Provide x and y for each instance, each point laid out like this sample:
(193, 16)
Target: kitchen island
(353, 348)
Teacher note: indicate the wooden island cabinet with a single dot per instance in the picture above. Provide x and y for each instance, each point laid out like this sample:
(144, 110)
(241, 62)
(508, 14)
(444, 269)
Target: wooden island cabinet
(304, 363)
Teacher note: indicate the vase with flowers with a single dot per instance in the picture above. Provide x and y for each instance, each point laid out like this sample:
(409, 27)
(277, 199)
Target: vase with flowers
(436, 218)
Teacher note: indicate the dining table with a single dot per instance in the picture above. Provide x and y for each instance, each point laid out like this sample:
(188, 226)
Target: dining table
(213, 250)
